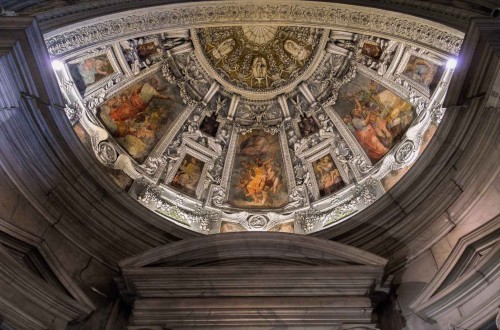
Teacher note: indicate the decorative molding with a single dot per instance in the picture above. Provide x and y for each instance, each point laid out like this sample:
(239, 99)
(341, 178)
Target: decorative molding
(335, 63)
(274, 245)
(485, 312)
(38, 292)
(435, 300)
(214, 273)
(256, 94)
(315, 14)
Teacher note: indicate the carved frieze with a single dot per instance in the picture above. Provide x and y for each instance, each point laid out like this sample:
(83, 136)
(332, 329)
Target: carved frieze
(322, 15)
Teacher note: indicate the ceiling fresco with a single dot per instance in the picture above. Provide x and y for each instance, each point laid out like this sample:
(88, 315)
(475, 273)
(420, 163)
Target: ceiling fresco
(255, 126)
(259, 58)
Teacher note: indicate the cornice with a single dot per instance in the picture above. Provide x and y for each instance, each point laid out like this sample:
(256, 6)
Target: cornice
(239, 245)
(482, 314)
(446, 14)
(39, 292)
(203, 14)
(430, 296)
(19, 318)
(243, 276)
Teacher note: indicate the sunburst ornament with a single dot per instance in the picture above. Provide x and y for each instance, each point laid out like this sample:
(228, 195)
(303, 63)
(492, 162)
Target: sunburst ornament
(259, 34)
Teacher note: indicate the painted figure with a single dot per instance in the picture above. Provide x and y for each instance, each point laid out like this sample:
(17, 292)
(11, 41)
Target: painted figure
(223, 49)
(376, 116)
(423, 72)
(90, 71)
(365, 134)
(259, 70)
(260, 181)
(307, 126)
(371, 50)
(298, 52)
(140, 115)
(144, 50)
(327, 176)
(188, 175)
(258, 177)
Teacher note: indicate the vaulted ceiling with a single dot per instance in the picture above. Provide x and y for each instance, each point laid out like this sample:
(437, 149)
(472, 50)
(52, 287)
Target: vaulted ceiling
(255, 117)
(132, 128)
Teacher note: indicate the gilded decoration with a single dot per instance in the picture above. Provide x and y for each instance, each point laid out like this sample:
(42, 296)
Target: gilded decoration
(225, 121)
(259, 57)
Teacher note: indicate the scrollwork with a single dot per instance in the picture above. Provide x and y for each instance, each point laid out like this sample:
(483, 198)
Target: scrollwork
(257, 221)
(93, 102)
(404, 152)
(106, 153)
(152, 165)
(286, 115)
(202, 219)
(363, 166)
(364, 195)
(73, 113)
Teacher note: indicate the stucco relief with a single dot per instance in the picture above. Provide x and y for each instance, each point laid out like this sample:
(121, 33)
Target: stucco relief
(320, 15)
(258, 59)
(258, 127)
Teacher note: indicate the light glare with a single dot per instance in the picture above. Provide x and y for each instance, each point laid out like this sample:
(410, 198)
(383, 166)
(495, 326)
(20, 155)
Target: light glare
(451, 64)
(57, 65)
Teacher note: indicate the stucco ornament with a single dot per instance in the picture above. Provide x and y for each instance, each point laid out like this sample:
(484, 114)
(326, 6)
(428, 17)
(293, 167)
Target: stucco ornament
(292, 127)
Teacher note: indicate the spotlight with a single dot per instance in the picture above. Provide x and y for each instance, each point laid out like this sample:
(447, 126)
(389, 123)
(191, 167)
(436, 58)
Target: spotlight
(57, 65)
(451, 64)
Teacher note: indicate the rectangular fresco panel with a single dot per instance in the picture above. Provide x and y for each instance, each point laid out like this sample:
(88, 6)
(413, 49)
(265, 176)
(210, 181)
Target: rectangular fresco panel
(139, 116)
(327, 176)
(90, 71)
(377, 117)
(258, 179)
(188, 175)
(423, 72)
(141, 53)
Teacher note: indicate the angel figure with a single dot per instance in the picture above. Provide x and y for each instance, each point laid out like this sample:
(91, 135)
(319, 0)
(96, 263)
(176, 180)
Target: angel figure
(193, 132)
(217, 143)
(326, 131)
